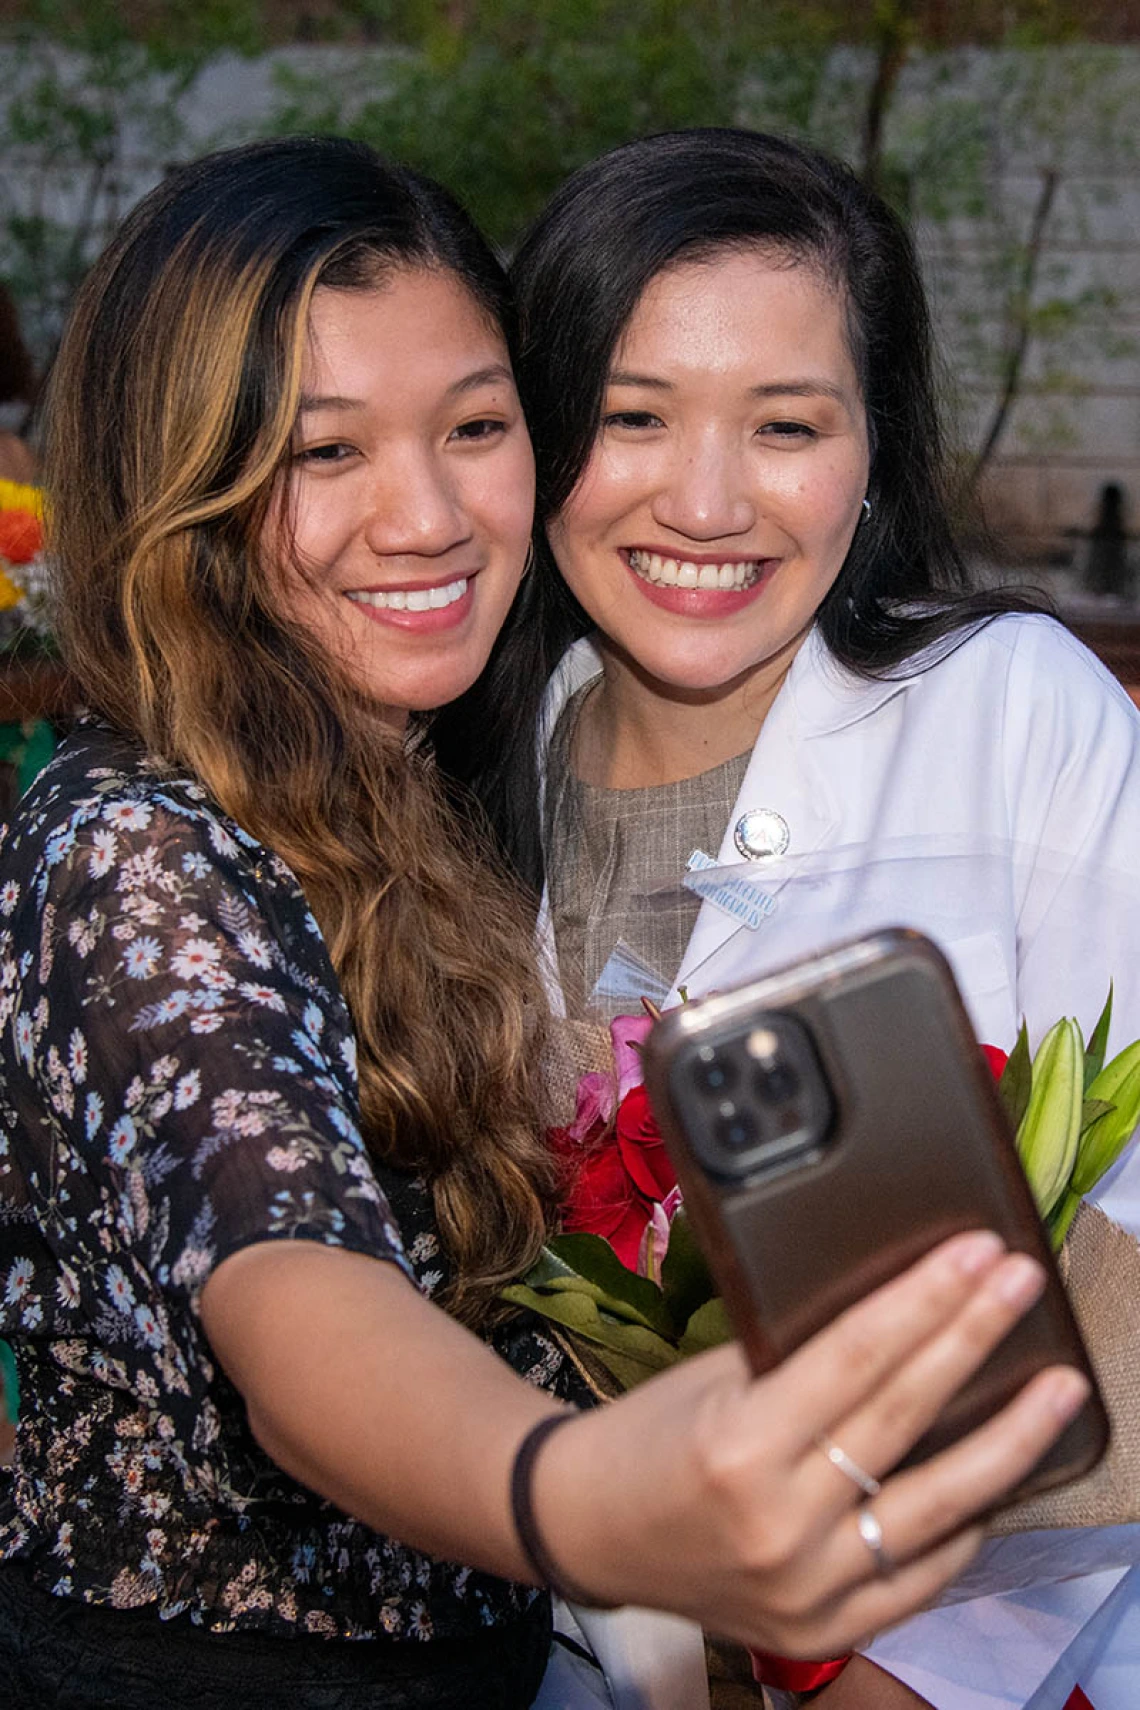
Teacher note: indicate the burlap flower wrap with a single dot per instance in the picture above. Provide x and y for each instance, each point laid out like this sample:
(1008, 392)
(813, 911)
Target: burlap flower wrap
(1100, 1264)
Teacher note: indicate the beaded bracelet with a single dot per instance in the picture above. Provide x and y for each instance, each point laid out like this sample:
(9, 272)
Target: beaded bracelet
(526, 1523)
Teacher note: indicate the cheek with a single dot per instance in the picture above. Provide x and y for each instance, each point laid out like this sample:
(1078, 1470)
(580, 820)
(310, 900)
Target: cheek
(571, 542)
(504, 496)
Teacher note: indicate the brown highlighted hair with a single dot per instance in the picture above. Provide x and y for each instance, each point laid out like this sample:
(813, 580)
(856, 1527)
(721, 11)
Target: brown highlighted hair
(171, 413)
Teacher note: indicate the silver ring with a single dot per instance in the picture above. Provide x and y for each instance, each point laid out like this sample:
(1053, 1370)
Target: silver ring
(841, 1459)
(872, 1535)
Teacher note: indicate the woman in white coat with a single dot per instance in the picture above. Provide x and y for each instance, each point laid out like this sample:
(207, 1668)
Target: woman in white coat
(779, 714)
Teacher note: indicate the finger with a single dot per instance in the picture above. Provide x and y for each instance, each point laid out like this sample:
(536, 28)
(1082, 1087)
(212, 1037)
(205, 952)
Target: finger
(846, 1618)
(931, 1501)
(841, 1366)
(918, 1510)
(881, 1602)
(879, 1433)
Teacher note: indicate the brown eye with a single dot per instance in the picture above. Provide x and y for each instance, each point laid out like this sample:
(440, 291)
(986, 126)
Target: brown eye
(485, 427)
(632, 419)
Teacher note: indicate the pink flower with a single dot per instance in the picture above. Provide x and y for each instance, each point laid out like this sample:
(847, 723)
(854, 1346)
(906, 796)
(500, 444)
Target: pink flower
(594, 1108)
(628, 1033)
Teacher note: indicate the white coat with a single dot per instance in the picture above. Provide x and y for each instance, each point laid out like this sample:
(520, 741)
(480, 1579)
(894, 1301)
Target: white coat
(991, 800)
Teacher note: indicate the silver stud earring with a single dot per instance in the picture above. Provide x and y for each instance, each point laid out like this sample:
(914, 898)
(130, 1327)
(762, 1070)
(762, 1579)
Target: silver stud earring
(866, 511)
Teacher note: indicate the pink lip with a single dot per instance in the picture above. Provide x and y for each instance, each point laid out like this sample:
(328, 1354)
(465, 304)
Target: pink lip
(708, 603)
(421, 623)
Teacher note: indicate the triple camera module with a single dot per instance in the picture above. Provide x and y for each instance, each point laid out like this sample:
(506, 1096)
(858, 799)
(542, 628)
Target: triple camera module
(754, 1100)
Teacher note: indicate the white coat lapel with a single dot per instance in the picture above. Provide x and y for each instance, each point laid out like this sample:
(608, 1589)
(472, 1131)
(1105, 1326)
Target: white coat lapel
(787, 776)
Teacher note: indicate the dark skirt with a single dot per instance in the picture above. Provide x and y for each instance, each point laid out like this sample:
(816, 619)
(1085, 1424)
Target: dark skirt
(59, 1654)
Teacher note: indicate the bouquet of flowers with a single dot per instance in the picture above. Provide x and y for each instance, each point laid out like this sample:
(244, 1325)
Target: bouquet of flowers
(626, 1276)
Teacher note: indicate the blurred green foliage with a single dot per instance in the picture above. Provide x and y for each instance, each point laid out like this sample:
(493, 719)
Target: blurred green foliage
(503, 99)
(86, 84)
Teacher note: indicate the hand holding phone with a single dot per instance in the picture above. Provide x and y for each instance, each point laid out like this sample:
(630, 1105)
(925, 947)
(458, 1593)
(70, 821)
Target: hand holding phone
(831, 1123)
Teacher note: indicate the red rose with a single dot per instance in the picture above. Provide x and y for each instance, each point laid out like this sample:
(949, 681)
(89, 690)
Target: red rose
(642, 1148)
(996, 1058)
(604, 1200)
(21, 536)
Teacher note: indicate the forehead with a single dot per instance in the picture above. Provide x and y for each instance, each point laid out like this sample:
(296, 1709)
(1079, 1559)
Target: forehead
(412, 319)
(753, 303)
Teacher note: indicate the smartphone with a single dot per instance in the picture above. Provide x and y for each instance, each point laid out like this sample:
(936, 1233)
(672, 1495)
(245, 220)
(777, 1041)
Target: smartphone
(832, 1122)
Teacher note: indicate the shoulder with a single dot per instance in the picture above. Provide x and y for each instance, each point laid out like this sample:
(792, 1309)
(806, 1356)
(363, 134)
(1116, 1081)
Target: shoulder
(110, 846)
(103, 801)
(1026, 660)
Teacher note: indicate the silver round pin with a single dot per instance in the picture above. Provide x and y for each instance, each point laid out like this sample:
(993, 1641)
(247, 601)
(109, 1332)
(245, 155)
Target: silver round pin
(761, 833)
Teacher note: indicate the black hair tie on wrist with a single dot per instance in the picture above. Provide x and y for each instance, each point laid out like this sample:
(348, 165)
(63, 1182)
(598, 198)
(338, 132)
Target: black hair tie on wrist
(522, 1511)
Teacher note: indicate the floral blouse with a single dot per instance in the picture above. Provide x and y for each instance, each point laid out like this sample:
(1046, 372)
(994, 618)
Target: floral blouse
(177, 1081)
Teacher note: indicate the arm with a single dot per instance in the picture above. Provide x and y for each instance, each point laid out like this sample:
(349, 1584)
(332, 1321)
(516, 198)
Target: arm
(701, 1492)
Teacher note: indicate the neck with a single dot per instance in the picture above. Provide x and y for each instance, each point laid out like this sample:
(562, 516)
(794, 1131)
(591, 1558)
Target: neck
(634, 733)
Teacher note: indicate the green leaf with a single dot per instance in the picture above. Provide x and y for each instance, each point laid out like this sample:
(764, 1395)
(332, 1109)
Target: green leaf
(1016, 1079)
(707, 1328)
(685, 1280)
(588, 1263)
(579, 1312)
(630, 1369)
(1098, 1042)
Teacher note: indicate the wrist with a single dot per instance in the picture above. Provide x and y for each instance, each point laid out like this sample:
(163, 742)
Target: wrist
(532, 1536)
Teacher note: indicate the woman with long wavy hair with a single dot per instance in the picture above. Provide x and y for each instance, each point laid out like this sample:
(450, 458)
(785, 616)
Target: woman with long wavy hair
(270, 1038)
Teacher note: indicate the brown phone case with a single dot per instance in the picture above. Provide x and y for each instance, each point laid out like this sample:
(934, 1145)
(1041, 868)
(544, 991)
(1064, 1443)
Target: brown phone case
(857, 1126)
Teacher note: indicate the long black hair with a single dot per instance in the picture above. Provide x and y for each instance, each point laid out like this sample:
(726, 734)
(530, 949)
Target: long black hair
(578, 278)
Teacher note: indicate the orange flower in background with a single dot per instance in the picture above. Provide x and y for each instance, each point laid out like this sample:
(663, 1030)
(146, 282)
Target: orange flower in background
(21, 536)
(23, 569)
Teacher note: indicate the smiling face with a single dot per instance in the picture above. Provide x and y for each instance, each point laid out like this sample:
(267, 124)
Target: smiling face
(724, 487)
(408, 503)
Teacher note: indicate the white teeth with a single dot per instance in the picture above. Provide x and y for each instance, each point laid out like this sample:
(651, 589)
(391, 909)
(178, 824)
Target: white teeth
(411, 599)
(681, 573)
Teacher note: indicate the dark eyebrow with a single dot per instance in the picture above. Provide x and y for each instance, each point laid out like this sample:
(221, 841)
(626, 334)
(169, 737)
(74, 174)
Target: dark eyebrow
(493, 375)
(801, 389)
(308, 404)
(622, 377)
(768, 389)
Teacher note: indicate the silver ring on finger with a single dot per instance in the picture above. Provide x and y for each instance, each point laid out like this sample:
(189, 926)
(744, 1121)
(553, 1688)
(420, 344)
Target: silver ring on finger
(872, 1535)
(841, 1459)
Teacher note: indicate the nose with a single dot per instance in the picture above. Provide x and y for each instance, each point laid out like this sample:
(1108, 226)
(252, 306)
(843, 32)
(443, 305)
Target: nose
(414, 507)
(706, 494)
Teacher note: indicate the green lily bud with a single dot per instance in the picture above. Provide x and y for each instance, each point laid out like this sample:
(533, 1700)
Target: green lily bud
(1050, 1130)
(1103, 1141)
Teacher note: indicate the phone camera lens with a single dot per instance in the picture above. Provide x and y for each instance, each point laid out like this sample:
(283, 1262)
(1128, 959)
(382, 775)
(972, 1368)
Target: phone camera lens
(736, 1129)
(776, 1082)
(713, 1073)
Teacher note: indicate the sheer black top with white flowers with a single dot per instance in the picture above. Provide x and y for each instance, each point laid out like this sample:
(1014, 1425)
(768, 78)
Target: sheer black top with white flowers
(177, 1081)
